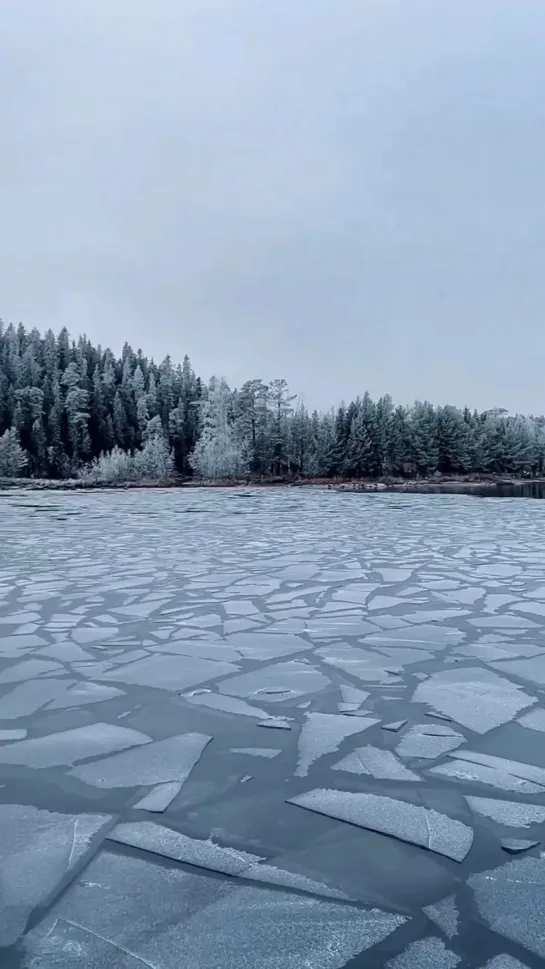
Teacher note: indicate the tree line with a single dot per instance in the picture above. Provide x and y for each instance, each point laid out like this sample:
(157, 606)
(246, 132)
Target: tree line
(71, 409)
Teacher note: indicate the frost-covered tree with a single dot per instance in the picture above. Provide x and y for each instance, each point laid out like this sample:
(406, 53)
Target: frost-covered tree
(13, 459)
(155, 461)
(218, 453)
(110, 468)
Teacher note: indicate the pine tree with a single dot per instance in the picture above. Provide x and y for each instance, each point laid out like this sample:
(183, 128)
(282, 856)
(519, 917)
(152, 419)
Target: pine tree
(13, 459)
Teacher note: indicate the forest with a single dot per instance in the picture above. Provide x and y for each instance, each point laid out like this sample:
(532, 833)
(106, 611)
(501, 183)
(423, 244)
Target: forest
(72, 410)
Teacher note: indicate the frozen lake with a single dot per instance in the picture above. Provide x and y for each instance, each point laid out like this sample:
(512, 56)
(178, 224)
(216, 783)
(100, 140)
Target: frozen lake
(271, 729)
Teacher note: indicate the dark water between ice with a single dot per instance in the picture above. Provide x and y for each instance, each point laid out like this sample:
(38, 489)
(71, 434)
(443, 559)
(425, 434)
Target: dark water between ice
(530, 489)
(271, 728)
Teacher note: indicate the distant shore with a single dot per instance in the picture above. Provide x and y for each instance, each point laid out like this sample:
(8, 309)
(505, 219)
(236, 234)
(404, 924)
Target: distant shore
(433, 483)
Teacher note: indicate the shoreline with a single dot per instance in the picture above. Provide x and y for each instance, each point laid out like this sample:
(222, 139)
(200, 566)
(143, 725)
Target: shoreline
(403, 485)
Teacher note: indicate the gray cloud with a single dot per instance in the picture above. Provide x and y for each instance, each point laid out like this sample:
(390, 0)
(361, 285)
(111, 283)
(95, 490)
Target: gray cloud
(347, 194)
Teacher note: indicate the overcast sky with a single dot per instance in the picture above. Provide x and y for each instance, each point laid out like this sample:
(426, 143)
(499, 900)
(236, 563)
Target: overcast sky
(346, 193)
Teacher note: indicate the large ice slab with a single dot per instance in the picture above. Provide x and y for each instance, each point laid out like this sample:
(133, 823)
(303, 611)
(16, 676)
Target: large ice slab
(511, 900)
(267, 645)
(511, 814)
(129, 907)
(225, 704)
(159, 798)
(363, 664)
(253, 928)
(322, 733)
(445, 915)
(516, 846)
(504, 962)
(408, 822)
(37, 850)
(427, 635)
(278, 681)
(173, 844)
(477, 698)
(69, 746)
(377, 763)
(66, 941)
(534, 720)
(167, 760)
(463, 770)
(154, 913)
(425, 954)
(169, 672)
(428, 741)
(532, 669)
(83, 693)
(28, 669)
(351, 694)
(516, 767)
(207, 854)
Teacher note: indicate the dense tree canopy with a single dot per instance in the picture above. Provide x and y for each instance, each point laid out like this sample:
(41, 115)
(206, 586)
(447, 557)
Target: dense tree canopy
(68, 408)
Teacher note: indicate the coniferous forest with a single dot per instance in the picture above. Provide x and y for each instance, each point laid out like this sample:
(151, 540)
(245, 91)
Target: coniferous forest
(69, 409)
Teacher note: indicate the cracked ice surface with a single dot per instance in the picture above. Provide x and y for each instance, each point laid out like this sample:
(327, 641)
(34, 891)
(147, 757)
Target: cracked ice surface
(511, 900)
(132, 908)
(37, 850)
(146, 641)
(206, 854)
